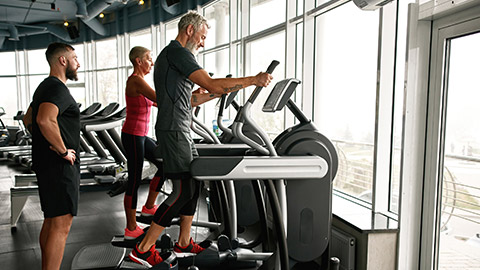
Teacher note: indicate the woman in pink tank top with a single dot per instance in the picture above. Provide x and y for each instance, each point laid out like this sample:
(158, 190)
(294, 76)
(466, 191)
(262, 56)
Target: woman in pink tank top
(139, 98)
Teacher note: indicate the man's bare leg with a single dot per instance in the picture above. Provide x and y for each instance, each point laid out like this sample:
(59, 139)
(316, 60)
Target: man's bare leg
(151, 237)
(54, 244)
(43, 238)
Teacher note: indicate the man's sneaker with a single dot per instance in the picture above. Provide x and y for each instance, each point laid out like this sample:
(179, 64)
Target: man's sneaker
(148, 258)
(190, 248)
(131, 235)
(149, 212)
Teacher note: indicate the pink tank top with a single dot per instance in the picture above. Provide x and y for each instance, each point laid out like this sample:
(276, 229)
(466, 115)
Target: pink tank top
(138, 115)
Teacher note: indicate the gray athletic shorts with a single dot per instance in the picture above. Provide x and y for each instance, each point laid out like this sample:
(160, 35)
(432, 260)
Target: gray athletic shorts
(177, 150)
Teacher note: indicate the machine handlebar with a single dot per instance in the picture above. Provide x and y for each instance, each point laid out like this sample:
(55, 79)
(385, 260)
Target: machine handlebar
(257, 90)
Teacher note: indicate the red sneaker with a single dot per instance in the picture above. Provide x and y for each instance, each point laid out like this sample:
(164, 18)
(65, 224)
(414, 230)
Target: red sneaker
(149, 212)
(130, 235)
(190, 248)
(148, 258)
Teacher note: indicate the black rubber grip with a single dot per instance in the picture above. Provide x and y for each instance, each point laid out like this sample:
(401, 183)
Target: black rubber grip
(257, 90)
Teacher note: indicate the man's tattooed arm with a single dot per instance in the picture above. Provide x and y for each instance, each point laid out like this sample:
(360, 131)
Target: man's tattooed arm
(234, 88)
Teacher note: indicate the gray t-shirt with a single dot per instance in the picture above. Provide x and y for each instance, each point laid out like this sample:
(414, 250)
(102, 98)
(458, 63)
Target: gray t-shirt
(174, 90)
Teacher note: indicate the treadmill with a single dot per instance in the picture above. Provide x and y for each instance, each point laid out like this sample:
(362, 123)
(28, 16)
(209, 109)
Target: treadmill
(22, 154)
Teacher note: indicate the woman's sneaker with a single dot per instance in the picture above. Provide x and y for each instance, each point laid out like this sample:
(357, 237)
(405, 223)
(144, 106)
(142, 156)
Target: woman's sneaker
(149, 212)
(131, 235)
(148, 258)
(192, 247)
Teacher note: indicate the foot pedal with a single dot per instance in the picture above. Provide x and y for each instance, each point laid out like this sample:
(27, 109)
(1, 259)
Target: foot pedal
(223, 243)
(166, 243)
(144, 219)
(118, 188)
(103, 256)
(234, 243)
(104, 179)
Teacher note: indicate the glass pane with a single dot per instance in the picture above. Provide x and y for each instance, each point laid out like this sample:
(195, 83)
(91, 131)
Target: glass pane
(107, 86)
(321, 2)
(171, 31)
(80, 56)
(77, 89)
(34, 81)
(216, 63)
(9, 99)
(345, 92)
(259, 55)
(299, 7)
(460, 217)
(258, 10)
(106, 52)
(8, 63)
(218, 18)
(37, 62)
(144, 39)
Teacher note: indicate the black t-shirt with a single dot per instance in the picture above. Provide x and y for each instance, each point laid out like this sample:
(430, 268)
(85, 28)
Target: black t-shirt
(54, 91)
(174, 90)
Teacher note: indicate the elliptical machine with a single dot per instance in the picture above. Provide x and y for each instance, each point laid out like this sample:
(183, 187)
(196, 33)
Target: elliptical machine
(303, 164)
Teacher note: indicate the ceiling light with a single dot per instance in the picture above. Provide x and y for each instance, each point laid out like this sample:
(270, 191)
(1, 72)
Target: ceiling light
(141, 2)
(101, 15)
(65, 23)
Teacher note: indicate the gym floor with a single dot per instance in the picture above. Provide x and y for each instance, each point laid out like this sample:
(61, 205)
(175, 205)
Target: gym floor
(100, 217)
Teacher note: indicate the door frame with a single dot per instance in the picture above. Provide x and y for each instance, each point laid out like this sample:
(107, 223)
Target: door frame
(443, 29)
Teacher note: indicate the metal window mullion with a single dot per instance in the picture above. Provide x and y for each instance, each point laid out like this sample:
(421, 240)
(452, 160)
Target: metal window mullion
(384, 111)
(290, 50)
(325, 7)
(308, 80)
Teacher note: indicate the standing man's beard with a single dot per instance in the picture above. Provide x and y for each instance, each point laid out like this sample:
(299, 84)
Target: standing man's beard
(192, 47)
(71, 74)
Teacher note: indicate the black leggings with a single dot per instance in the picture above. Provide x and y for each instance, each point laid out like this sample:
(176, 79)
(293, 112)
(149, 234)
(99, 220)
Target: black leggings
(182, 200)
(137, 148)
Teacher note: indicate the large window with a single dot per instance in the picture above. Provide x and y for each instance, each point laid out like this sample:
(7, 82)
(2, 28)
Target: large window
(345, 92)
(337, 62)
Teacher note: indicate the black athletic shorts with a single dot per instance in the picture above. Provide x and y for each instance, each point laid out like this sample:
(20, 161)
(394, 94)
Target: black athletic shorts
(177, 150)
(58, 187)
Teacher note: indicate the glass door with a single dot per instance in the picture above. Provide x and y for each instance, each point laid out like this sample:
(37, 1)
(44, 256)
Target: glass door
(453, 148)
(459, 231)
